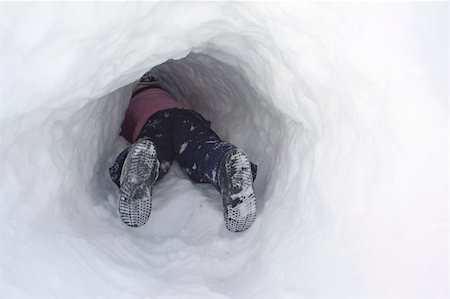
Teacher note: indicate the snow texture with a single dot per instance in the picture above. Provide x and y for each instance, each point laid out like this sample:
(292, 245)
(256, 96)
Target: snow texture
(343, 106)
(183, 147)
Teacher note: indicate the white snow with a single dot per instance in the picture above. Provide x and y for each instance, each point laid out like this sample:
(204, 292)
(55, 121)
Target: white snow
(343, 106)
(183, 147)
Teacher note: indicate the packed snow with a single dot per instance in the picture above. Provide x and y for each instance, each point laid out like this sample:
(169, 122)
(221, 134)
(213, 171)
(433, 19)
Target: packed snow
(343, 106)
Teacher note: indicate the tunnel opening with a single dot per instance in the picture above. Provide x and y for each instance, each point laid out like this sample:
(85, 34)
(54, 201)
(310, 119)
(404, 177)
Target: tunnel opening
(186, 214)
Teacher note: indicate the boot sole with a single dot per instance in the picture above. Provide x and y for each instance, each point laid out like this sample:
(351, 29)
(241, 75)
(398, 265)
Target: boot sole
(140, 172)
(239, 201)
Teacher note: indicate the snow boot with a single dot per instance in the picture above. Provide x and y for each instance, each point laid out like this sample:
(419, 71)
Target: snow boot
(148, 80)
(139, 173)
(236, 186)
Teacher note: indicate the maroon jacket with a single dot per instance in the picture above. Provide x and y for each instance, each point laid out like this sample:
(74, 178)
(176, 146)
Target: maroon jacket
(141, 107)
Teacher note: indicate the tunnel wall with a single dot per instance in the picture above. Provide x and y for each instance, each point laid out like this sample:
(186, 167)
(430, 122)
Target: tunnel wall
(342, 106)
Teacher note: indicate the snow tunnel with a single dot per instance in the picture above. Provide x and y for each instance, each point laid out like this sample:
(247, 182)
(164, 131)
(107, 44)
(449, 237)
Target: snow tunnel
(341, 105)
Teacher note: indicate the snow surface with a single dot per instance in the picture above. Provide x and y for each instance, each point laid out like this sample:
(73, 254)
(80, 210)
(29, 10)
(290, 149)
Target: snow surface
(343, 106)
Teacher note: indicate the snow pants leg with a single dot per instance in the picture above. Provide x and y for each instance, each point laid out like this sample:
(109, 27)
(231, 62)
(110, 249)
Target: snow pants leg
(186, 136)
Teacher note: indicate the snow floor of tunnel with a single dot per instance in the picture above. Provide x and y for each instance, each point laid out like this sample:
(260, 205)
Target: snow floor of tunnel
(185, 239)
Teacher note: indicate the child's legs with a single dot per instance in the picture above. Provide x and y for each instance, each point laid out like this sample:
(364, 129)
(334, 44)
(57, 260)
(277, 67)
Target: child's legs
(198, 148)
(185, 135)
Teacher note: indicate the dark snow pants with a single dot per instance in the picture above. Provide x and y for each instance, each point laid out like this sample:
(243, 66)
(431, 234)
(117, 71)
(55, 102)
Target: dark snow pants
(183, 135)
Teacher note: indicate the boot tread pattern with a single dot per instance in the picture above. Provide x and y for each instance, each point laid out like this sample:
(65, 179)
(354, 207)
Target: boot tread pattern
(239, 202)
(139, 173)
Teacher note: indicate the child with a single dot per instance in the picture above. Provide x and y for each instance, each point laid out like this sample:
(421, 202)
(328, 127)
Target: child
(161, 131)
